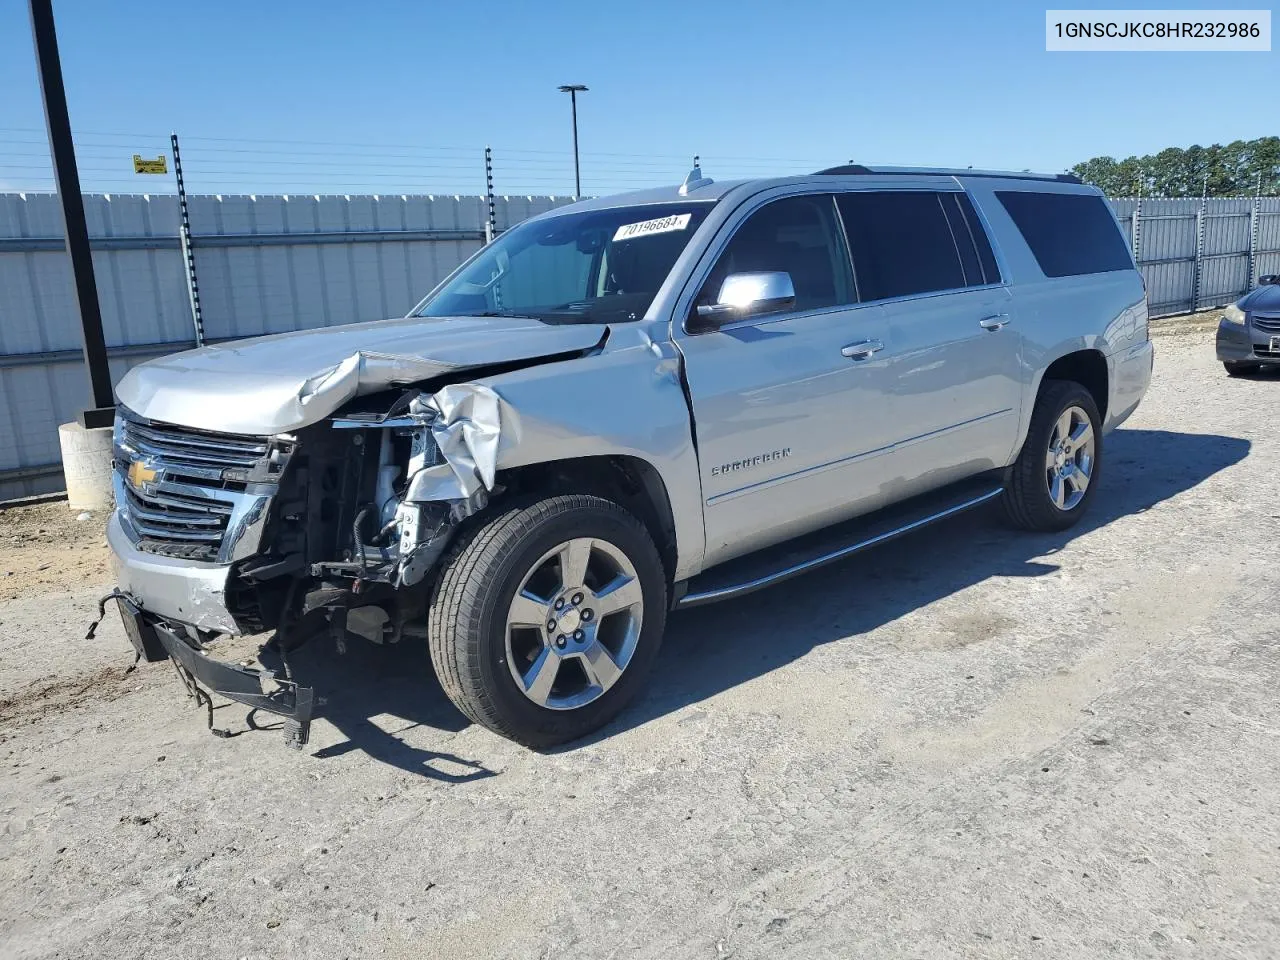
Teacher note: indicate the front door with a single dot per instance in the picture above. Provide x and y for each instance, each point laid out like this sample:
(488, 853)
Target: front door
(791, 409)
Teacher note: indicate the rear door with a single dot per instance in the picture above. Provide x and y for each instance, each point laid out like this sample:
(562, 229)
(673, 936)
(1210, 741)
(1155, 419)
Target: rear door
(924, 256)
(791, 408)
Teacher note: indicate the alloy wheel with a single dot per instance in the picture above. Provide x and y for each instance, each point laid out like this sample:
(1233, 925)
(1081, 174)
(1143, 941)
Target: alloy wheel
(574, 623)
(1070, 459)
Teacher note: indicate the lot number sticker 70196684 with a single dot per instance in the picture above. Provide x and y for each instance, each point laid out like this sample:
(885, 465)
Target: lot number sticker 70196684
(645, 228)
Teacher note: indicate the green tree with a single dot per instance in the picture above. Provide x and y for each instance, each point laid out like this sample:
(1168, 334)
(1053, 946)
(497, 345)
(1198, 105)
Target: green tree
(1236, 170)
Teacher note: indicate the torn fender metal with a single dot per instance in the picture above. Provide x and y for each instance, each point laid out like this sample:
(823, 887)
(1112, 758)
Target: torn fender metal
(467, 423)
(284, 382)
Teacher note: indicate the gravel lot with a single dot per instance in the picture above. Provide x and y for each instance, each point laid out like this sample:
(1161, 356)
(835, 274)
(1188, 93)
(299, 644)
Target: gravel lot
(972, 743)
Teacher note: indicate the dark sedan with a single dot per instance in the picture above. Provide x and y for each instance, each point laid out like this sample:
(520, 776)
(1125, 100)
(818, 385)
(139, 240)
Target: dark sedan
(1249, 331)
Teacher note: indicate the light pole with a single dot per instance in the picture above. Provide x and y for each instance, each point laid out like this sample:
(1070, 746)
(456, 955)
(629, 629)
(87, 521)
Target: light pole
(573, 89)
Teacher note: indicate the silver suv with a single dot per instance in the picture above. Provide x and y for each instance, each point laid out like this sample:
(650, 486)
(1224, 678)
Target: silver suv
(621, 408)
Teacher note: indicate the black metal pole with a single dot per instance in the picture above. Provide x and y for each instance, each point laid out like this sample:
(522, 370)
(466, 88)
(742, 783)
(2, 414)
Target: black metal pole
(184, 237)
(577, 177)
(491, 223)
(74, 228)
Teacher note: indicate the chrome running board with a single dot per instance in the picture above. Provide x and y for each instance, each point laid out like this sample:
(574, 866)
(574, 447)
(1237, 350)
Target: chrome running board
(719, 582)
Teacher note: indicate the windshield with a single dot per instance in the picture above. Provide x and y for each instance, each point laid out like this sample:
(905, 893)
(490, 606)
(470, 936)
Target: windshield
(602, 266)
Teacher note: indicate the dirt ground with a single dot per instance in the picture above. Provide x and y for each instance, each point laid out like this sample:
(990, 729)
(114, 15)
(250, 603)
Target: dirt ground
(48, 547)
(971, 743)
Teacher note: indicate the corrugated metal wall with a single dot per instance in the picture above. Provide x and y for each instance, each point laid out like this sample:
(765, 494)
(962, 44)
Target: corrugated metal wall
(265, 264)
(1195, 253)
(268, 264)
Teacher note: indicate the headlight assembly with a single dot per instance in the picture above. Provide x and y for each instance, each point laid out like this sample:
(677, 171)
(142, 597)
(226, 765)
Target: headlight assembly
(1233, 314)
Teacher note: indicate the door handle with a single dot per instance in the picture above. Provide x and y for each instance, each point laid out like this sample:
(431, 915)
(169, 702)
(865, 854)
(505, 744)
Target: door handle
(994, 322)
(862, 349)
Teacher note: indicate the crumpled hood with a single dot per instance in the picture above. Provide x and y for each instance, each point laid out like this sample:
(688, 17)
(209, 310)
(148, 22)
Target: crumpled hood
(279, 383)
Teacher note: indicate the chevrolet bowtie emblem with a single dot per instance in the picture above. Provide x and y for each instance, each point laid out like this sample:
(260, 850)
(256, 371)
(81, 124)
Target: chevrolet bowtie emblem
(140, 473)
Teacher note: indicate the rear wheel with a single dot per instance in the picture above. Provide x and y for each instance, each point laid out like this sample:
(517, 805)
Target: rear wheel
(544, 622)
(1055, 475)
(1240, 369)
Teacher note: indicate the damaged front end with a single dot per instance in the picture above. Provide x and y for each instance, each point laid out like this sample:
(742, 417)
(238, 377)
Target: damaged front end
(437, 462)
(321, 531)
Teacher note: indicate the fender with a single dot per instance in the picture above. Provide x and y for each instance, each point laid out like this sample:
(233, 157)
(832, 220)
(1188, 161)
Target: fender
(627, 400)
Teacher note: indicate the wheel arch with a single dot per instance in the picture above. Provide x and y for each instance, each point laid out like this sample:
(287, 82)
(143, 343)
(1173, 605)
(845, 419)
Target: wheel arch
(629, 481)
(1088, 368)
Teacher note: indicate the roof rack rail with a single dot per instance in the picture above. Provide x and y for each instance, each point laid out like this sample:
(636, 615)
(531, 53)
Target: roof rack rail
(857, 169)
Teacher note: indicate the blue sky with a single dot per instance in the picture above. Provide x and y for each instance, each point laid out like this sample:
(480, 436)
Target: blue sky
(398, 97)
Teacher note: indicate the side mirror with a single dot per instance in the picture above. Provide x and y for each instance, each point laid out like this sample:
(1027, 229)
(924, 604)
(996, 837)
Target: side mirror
(1270, 280)
(749, 294)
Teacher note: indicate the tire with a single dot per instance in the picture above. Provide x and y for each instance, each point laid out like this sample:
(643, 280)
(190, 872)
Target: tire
(1029, 498)
(1240, 369)
(477, 654)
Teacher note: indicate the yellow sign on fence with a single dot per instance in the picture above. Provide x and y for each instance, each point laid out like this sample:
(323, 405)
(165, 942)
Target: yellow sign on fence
(159, 165)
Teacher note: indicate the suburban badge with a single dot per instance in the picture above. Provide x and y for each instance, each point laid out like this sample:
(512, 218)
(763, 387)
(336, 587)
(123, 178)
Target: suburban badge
(749, 462)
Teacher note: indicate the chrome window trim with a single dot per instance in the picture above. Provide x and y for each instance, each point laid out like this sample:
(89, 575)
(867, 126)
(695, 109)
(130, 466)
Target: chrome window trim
(906, 298)
(768, 318)
(765, 319)
(955, 243)
(848, 250)
(968, 228)
(996, 250)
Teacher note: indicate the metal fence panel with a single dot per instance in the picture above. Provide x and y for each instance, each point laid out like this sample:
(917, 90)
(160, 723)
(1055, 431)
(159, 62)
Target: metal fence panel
(1268, 236)
(1169, 286)
(265, 264)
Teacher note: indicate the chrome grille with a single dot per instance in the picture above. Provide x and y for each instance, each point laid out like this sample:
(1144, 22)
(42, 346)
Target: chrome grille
(162, 518)
(178, 445)
(1266, 323)
(190, 489)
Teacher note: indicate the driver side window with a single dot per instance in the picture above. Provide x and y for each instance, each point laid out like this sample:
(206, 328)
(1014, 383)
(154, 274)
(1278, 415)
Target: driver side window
(798, 236)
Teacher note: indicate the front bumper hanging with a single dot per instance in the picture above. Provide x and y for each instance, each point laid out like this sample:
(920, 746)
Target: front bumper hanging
(155, 640)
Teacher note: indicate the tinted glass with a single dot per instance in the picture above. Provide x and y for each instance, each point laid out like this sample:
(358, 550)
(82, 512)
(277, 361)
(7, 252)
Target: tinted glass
(600, 266)
(799, 236)
(902, 243)
(1070, 234)
(963, 237)
(987, 259)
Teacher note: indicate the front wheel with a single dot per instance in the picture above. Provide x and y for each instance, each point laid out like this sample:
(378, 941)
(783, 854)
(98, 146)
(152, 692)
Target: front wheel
(1055, 475)
(545, 621)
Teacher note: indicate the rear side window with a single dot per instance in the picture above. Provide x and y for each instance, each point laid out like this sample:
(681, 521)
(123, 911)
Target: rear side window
(1070, 234)
(908, 242)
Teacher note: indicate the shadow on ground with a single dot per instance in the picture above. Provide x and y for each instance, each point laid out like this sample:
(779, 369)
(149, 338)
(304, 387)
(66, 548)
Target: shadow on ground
(713, 648)
(376, 693)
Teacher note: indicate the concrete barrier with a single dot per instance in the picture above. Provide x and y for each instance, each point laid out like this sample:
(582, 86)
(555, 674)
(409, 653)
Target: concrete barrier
(86, 464)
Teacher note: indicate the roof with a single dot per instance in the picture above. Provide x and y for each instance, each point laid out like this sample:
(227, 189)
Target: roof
(711, 192)
(716, 189)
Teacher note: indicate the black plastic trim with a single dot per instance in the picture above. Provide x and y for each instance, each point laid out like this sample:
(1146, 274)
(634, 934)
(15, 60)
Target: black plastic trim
(242, 684)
